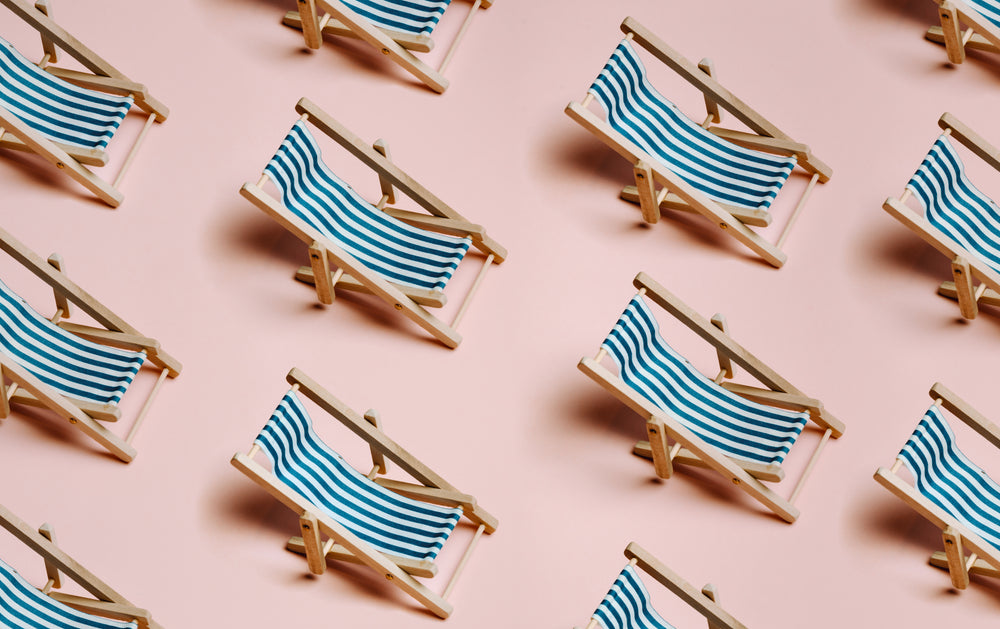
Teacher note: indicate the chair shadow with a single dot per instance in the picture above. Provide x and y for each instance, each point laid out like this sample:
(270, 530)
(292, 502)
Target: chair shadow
(917, 11)
(49, 426)
(40, 172)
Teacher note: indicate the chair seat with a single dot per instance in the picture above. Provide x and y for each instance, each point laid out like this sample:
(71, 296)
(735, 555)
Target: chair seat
(391, 523)
(76, 367)
(22, 606)
(955, 206)
(740, 428)
(399, 252)
(946, 477)
(59, 110)
(724, 171)
(417, 17)
(989, 9)
(627, 605)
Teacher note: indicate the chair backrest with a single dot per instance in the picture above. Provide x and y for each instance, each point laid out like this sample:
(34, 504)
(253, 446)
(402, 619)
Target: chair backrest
(990, 9)
(22, 606)
(75, 367)
(398, 252)
(720, 169)
(944, 475)
(627, 605)
(739, 427)
(388, 521)
(418, 17)
(955, 206)
(60, 111)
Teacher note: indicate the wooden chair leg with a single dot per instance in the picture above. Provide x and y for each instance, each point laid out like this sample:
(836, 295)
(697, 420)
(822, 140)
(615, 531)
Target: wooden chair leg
(952, 32)
(51, 571)
(320, 264)
(956, 558)
(310, 23)
(711, 593)
(315, 557)
(962, 275)
(646, 188)
(4, 397)
(659, 447)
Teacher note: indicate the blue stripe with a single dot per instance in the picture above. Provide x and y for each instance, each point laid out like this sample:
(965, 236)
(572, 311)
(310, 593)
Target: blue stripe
(627, 605)
(418, 17)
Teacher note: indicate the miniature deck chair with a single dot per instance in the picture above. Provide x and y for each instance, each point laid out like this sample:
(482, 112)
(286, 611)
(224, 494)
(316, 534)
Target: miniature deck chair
(950, 490)
(65, 116)
(982, 18)
(396, 528)
(397, 28)
(24, 606)
(743, 432)
(405, 258)
(78, 371)
(729, 176)
(959, 221)
(628, 606)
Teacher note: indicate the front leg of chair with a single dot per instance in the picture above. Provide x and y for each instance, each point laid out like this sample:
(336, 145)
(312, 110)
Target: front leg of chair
(320, 263)
(310, 23)
(659, 448)
(315, 556)
(956, 558)
(964, 291)
(646, 188)
(952, 32)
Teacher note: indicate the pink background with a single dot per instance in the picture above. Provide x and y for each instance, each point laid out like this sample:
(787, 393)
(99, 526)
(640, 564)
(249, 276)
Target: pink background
(851, 319)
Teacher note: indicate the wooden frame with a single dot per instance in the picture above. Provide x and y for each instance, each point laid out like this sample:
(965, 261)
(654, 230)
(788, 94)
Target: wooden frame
(26, 388)
(984, 558)
(399, 47)
(342, 544)
(688, 448)
(106, 602)
(967, 266)
(980, 33)
(16, 135)
(677, 194)
(351, 274)
(704, 601)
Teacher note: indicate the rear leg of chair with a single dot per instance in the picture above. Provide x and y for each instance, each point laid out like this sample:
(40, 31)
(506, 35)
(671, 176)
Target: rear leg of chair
(645, 187)
(955, 557)
(951, 30)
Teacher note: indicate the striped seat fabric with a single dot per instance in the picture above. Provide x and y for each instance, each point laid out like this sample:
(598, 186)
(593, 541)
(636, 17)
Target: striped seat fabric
(725, 172)
(391, 523)
(950, 480)
(417, 17)
(59, 110)
(627, 605)
(23, 606)
(75, 367)
(400, 253)
(955, 206)
(740, 428)
(989, 9)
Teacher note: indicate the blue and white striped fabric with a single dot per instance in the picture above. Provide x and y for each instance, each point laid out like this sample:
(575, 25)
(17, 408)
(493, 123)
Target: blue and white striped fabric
(59, 110)
(722, 170)
(418, 17)
(391, 523)
(23, 606)
(627, 605)
(740, 428)
(950, 480)
(989, 9)
(400, 253)
(955, 206)
(75, 367)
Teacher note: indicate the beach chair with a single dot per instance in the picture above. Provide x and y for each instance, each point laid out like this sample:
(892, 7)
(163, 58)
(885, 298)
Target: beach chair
(405, 258)
(78, 371)
(958, 220)
(949, 490)
(23, 605)
(628, 606)
(982, 20)
(728, 176)
(743, 432)
(66, 116)
(396, 528)
(397, 28)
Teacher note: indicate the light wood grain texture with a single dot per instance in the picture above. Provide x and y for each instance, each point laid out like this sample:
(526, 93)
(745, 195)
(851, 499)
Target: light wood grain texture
(981, 34)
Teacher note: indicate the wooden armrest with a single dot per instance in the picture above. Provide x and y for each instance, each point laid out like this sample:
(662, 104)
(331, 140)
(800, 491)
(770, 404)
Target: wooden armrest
(778, 399)
(439, 224)
(121, 340)
(778, 146)
(962, 410)
(433, 495)
(111, 85)
(117, 611)
(970, 139)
